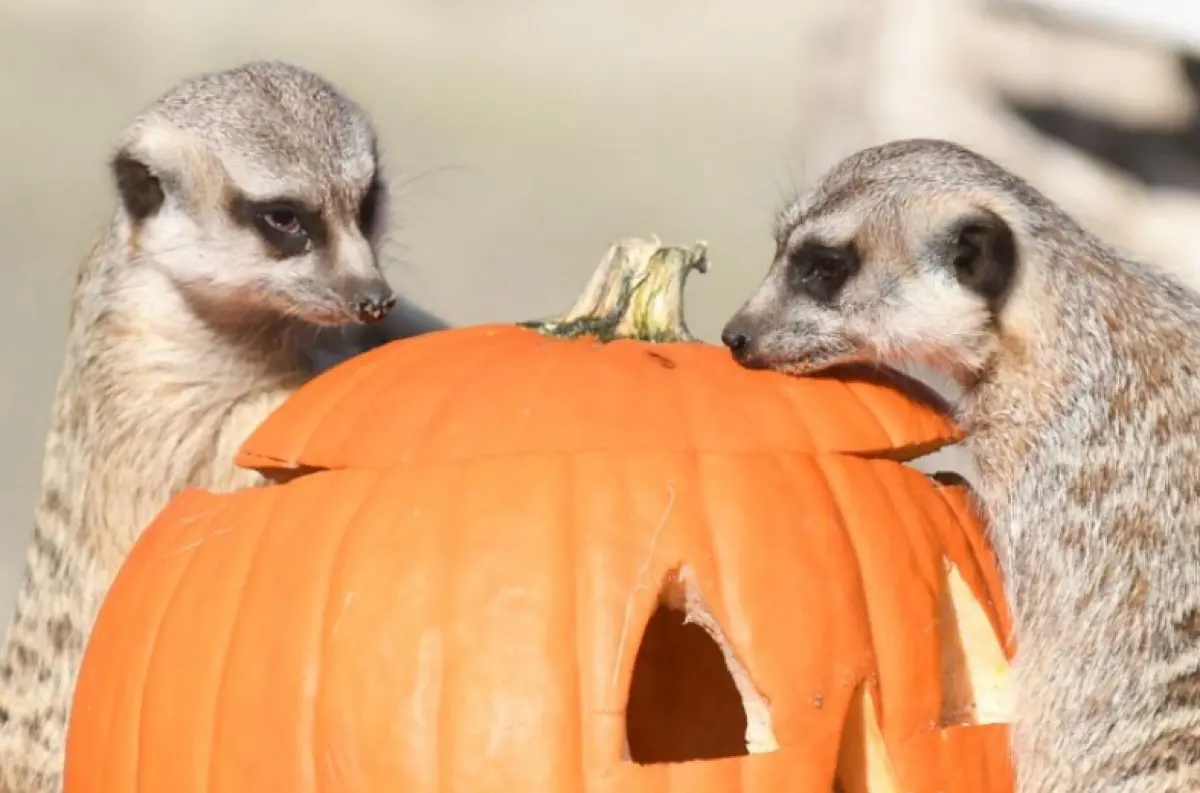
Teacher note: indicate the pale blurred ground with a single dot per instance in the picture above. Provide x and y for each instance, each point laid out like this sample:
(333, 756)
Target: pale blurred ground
(528, 135)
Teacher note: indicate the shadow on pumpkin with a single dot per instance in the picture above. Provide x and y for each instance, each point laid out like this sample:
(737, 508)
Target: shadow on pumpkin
(688, 695)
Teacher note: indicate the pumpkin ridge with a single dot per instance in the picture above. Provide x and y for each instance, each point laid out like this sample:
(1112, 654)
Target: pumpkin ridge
(270, 500)
(885, 482)
(990, 588)
(974, 575)
(785, 396)
(571, 551)
(792, 466)
(447, 577)
(733, 611)
(821, 463)
(456, 388)
(395, 384)
(979, 580)
(333, 404)
(155, 646)
(105, 771)
(864, 676)
(336, 562)
(385, 385)
(869, 416)
(915, 520)
(871, 682)
(683, 413)
(552, 365)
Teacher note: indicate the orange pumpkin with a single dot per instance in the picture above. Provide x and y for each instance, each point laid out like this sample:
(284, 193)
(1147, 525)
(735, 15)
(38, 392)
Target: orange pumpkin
(507, 558)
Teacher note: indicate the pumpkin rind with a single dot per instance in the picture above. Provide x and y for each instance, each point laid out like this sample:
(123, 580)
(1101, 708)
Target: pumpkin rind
(452, 592)
(502, 390)
(356, 630)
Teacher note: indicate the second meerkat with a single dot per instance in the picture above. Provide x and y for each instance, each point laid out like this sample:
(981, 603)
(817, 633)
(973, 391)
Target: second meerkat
(1081, 376)
(251, 205)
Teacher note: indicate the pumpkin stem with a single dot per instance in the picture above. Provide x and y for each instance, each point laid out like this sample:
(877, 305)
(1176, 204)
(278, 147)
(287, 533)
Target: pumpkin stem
(635, 293)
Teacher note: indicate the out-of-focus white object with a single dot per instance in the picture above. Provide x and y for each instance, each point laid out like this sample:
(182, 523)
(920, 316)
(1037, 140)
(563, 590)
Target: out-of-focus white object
(1174, 24)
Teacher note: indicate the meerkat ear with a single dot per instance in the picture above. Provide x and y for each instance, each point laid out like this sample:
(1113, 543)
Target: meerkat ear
(983, 252)
(140, 191)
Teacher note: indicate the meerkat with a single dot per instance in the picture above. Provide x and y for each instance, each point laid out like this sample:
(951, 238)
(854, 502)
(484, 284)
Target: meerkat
(1080, 374)
(250, 209)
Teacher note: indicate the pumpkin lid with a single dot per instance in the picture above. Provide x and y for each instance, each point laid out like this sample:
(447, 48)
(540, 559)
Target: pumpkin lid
(619, 372)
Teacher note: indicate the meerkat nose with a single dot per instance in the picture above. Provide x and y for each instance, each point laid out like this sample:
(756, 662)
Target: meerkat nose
(374, 302)
(735, 340)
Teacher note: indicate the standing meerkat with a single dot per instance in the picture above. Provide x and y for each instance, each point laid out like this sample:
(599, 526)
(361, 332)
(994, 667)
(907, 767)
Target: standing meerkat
(1081, 377)
(250, 209)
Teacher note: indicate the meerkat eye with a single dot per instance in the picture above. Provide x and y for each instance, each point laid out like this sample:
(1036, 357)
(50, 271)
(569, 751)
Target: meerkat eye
(284, 221)
(288, 229)
(820, 271)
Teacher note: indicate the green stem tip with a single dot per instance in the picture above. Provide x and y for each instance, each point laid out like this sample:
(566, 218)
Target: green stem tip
(636, 293)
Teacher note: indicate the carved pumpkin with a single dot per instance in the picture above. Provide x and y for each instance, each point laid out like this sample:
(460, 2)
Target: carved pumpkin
(589, 554)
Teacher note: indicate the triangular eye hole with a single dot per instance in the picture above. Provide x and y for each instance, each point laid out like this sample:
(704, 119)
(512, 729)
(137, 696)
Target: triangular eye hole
(689, 696)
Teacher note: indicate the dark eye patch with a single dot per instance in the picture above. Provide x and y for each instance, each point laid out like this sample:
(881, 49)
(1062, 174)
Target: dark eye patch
(368, 208)
(289, 227)
(819, 270)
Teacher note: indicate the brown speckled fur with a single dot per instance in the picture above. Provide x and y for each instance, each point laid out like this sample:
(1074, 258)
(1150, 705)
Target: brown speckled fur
(1082, 399)
(183, 335)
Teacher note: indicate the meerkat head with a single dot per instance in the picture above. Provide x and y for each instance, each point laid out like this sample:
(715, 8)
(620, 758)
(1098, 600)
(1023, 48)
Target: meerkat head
(258, 189)
(903, 253)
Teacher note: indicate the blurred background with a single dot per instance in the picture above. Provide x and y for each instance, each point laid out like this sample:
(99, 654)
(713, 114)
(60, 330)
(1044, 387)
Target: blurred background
(526, 135)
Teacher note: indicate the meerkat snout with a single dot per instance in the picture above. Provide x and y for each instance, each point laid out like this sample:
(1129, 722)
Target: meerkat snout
(740, 336)
(735, 337)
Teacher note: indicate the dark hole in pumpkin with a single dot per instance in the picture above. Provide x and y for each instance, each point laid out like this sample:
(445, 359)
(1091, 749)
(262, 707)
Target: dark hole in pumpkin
(684, 702)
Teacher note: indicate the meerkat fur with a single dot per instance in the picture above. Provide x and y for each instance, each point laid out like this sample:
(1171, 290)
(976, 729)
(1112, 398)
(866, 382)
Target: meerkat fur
(1080, 370)
(251, 205)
